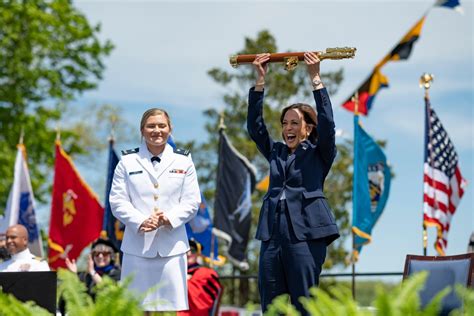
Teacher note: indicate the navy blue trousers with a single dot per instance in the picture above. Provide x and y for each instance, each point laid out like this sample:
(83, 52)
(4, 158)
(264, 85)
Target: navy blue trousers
(287, 265)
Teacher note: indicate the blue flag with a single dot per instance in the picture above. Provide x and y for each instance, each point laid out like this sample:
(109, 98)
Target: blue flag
(112, 228)
(450, 4)
(200, 229)
(371, 186)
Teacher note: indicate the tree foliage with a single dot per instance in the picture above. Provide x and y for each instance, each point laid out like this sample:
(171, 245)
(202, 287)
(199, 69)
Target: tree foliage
(48, 54)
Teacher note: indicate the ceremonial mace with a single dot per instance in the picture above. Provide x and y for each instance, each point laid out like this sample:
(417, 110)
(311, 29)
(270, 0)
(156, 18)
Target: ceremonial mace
(291, 59)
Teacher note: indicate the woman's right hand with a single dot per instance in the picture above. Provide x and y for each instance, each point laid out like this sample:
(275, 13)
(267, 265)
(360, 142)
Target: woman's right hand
(261, 65)
(71, 265)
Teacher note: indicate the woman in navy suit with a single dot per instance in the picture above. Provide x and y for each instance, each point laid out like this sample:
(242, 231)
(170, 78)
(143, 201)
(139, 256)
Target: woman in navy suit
(296, 224)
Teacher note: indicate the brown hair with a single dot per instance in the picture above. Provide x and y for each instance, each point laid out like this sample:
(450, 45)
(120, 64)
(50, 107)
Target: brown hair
(153, 112)
(309, 116)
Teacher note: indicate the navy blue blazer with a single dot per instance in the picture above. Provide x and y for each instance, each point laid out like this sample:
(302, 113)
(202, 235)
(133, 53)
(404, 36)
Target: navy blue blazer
(300, 175)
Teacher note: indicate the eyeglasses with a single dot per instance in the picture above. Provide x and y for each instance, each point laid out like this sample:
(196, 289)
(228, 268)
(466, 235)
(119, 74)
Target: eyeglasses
(103, 253)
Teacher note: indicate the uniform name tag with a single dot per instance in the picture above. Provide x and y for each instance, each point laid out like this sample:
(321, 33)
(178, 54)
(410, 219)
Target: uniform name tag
(135, 172)
(179, 171)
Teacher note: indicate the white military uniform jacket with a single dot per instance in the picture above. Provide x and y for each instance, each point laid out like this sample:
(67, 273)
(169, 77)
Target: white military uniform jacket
(24, 261)
(138, 190)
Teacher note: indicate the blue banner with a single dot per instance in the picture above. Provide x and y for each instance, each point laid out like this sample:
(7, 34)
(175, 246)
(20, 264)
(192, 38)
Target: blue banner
(371, 186)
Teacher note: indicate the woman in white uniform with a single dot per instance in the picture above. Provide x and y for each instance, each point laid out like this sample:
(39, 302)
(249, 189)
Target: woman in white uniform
(154, 193)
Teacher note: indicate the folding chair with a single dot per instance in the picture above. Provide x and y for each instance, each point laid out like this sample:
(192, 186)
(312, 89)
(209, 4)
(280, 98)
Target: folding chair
(443, 272)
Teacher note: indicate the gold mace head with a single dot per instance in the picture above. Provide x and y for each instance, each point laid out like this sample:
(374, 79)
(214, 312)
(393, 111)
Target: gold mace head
(425, 80)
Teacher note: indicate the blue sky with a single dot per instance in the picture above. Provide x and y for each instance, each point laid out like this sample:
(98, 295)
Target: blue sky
(164, 49)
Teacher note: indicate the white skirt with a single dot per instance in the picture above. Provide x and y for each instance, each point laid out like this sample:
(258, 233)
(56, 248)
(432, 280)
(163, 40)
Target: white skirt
(165, 276)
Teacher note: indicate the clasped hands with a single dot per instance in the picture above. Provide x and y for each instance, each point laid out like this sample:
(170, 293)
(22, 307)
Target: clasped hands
(153, 222)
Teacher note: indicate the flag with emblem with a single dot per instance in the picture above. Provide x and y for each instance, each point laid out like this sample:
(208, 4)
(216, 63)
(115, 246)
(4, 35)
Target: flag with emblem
(112, 228)
(232, 208)
(76, 213)
(200, 228)
(443, 184)
(371, 86)
(21, 204)
(371, 186)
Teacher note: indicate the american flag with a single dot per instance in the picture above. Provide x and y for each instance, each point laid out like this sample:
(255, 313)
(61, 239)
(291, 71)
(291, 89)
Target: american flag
(443, 183)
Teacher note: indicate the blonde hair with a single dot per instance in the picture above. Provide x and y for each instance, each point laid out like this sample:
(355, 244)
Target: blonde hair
(153, 112)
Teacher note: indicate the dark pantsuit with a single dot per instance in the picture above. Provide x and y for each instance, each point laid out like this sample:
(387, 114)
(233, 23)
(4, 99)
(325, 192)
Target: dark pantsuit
(294, 231)
(288, 265)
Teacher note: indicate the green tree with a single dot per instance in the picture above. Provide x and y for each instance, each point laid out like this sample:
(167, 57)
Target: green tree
(282, 88)
(49, 53)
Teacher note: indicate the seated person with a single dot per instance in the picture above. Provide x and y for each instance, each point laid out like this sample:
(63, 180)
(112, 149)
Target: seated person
(21, 257)
(4, 255)
(99, 263)
(203, 284)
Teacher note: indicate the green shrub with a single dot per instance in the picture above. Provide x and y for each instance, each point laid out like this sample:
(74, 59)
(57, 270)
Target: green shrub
(403, 300)
(112, 299)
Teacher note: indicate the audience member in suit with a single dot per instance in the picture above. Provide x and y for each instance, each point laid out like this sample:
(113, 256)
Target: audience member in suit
(296, 223)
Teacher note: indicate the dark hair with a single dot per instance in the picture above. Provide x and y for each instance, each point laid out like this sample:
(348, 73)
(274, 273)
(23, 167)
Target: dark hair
(195, 246)
(309, 116)
(153, 112)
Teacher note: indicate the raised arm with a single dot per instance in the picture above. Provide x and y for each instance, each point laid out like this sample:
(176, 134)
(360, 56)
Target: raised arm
(255, 123)
(326, 127)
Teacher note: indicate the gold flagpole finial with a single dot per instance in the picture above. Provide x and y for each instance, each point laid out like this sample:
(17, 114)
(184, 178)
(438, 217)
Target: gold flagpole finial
(113, 123)
(425, 82)
(221, 121)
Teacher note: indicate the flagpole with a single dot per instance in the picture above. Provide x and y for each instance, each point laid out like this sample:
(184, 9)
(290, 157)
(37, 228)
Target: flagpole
(58, 133)
(356, 113)
(221, 122)
(425, 82)
(22, 133)
(113, 122)
(211, 262)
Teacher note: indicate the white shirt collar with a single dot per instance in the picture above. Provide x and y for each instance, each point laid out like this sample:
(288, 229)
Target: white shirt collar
(25, 254)
(148, 154)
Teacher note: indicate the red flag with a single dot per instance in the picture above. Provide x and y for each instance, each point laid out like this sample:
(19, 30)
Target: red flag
(76, 214)
(367, 92)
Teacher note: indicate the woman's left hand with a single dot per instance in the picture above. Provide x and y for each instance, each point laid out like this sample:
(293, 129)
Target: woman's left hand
(163, 220)
(312, 61)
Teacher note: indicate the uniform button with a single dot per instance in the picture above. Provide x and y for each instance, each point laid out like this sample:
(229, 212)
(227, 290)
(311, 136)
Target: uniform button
(155, 197)
(156, 209)
(156, 185)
